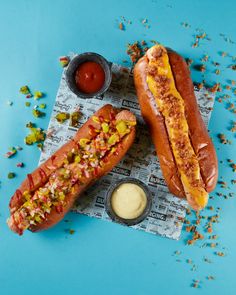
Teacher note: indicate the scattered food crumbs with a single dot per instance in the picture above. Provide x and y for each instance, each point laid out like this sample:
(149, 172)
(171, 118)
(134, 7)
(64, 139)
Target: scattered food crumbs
(200, 85)
(195, 283)
(190, 228)
(70, 231)
(233, 166)
(199, 37)
(223, 53)
(12, 152)
(223, 139)
(135, 51)
(38, 94)
(213, 245)
(210, 278)
(10, 103)
(185, 25)
(189, 61)
(36, 135)
(194, 267)
(207, 260)
(19, 148)
(20, 164)
(213, 237)
(62, 117)
(209, 229)
(201, 68)
(64, 61)
(215, 88)
(230, 107)
(205, 58)
(121, 26)
(221, 254)
(188, 211)
(233, 67)
(216, 64)
(38, 114)
(42, 106)
(144, 22)
(223, 184)
(24, 90)
(233, 128)
(40, 146)
(27, 104)
(11, 175)
(74, 119)
(217, 71)
(177, 252)
(30, 125)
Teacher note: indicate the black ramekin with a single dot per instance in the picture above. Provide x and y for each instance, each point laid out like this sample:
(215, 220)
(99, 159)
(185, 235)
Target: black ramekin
(111, 212)
(73, 66)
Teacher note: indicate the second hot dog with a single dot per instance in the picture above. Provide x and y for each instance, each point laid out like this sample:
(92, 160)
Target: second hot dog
(168, 105)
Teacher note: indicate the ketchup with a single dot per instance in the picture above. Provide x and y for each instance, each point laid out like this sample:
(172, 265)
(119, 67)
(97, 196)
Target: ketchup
(31, 181)
(89, 77)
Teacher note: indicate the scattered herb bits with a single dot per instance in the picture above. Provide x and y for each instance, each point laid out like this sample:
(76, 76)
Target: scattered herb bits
(11, 175)
(38, 114)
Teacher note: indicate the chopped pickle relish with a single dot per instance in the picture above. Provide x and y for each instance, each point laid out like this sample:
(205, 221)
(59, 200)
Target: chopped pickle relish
(79, 164)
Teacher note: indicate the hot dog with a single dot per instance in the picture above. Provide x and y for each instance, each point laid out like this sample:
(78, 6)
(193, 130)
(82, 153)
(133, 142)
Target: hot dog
(168, 105)
(48, 193)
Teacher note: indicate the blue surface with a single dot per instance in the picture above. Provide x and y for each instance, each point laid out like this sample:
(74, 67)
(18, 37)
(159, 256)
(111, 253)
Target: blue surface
(101, 257)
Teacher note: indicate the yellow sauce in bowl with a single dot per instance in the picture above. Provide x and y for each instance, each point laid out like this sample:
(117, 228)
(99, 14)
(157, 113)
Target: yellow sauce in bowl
(128, 201)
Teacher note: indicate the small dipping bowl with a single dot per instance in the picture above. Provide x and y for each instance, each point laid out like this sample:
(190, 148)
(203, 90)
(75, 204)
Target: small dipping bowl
(74, 65)
(111, 211)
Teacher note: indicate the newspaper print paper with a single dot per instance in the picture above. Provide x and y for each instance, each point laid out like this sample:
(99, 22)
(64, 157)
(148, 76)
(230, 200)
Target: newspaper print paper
(140, 162)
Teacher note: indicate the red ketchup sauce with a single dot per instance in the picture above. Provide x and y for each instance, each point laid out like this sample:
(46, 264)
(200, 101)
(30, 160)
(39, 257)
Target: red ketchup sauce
(89, 77)
(31, 181)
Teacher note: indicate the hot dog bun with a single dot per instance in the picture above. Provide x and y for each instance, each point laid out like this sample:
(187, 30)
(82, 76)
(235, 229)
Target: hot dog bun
(157, 76)
(95, 149)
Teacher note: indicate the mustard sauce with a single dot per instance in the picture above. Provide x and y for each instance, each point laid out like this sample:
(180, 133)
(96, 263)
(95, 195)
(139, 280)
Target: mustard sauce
(129, 201)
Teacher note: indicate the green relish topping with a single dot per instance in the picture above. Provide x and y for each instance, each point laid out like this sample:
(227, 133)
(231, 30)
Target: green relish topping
(42, 106)
(24, 90)
(62, 117)
(38, 114)
(82, 162)
(36, 134)
(11, 175)
(74, 119)
(38, 94)
(105, 127)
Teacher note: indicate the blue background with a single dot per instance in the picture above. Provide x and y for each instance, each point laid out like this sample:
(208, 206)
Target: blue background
(102, 257)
